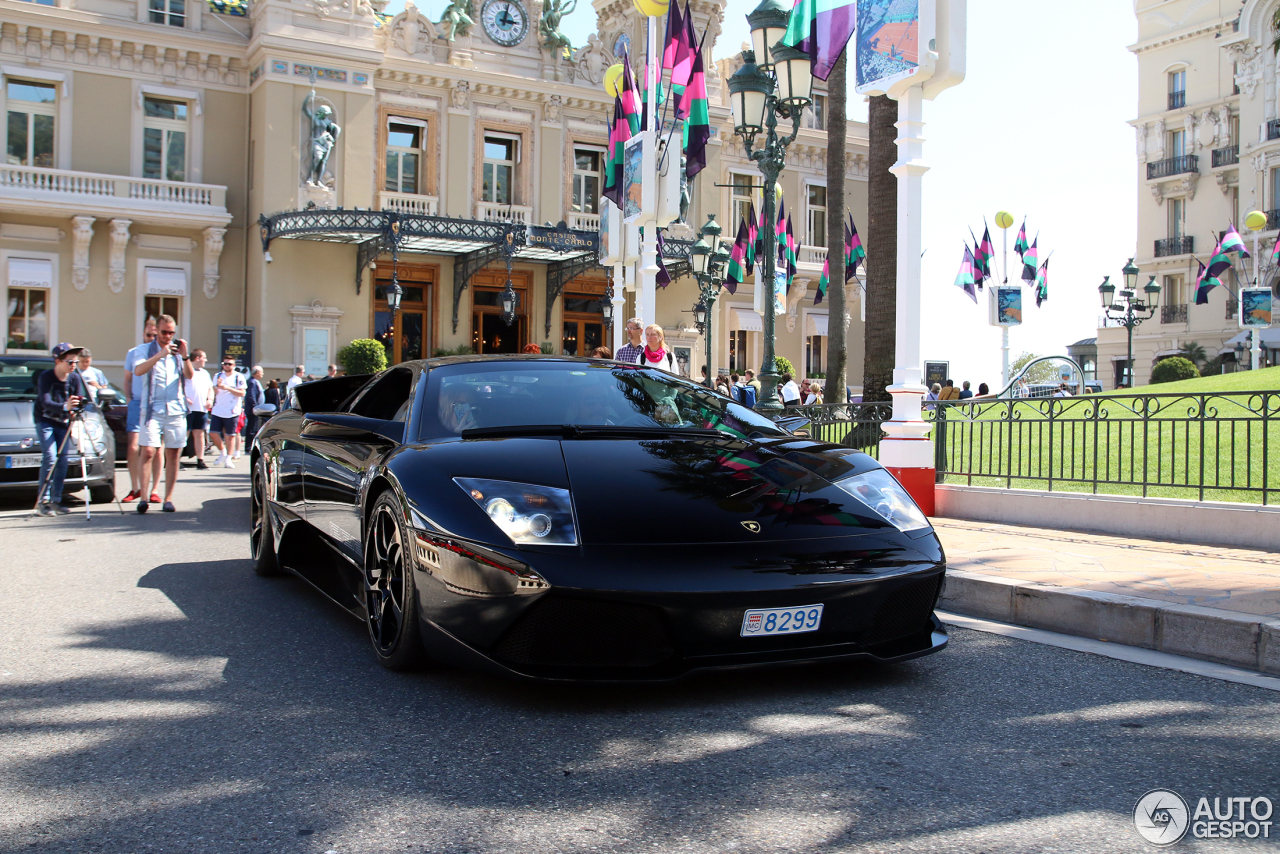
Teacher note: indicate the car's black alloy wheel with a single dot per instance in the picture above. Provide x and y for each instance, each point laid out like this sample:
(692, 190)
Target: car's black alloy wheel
(262, 540)
(390, 596)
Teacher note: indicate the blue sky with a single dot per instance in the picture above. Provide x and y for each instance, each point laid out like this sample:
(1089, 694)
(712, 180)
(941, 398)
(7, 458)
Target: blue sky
(1038, 128)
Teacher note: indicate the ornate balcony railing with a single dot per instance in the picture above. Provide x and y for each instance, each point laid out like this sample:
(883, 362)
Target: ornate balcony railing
(1273, 129)
(1228, 156)
(810, 254)
(410, 203)
(1175, 246)
(34, 182)
(491, 212)
(1173, 166)
(584, 222)
(1173, 313)
(1177, 100)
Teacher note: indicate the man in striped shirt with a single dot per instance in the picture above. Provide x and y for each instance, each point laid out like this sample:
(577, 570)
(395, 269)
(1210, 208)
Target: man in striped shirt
(630, 351)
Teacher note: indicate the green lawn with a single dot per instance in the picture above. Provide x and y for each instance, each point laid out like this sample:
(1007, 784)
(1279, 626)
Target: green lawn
(1267, 379)
(1220, 448)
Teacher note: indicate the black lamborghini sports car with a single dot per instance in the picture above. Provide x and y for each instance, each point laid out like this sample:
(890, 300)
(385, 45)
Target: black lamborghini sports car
(559, 518)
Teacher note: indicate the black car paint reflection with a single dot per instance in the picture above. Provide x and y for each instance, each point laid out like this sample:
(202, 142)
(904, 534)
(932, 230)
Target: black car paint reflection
(689, 513)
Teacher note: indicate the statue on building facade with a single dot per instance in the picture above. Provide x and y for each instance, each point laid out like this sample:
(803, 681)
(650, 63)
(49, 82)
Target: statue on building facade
(412, 31)
(549, 24)
(591, 61)
(324, 135)
(457, 19)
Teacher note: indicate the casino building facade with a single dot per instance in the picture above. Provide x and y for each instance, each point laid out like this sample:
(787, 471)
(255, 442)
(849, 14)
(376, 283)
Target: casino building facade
(160, 160)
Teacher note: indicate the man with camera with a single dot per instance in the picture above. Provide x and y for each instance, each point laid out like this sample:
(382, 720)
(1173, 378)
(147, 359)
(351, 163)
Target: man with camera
(164, 404)
(59, 393)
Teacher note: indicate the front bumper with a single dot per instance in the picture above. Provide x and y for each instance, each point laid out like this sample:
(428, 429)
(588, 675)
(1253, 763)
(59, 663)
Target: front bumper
(662, 613)
(99, 470)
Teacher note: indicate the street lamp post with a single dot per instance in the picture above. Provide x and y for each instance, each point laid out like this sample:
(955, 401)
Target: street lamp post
(708, 258)
(1132, 310)
(774, 82)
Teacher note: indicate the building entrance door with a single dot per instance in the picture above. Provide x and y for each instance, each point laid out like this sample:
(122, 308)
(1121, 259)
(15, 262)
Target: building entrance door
(489, 333)
(409, 337)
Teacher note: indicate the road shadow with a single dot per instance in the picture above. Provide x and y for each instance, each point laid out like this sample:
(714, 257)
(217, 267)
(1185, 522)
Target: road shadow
(258, 720)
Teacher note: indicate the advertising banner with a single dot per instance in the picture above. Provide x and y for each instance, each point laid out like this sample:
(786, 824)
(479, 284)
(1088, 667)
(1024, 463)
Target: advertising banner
(236, 342)
(1255, 308)
(887, 42)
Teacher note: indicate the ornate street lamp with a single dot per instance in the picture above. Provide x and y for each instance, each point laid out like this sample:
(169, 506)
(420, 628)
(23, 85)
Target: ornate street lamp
(1131, 309)
(395, 292)
(758, 99)
(606, 308)
(709, 259)
(508, 300)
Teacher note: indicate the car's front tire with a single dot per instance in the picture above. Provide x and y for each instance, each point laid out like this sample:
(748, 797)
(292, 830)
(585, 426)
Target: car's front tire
(390, 597)
(262, 537)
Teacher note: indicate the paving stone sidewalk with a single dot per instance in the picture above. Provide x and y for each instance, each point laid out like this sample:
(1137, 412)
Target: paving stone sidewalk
(1246, 581)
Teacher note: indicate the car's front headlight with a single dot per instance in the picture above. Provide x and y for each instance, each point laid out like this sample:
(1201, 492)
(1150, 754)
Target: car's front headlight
(878, 490)
(528, 514)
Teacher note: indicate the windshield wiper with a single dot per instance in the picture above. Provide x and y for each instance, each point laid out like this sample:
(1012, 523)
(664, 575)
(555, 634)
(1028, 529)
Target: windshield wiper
(651, 430)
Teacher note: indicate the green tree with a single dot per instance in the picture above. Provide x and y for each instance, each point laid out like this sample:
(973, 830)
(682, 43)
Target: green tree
(1173, 369)
(1045, 372)
(363, 356)
(880, 336)
(1194, 353)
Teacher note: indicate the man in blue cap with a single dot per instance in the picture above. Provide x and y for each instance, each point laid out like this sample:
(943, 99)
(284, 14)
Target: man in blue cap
(59, 392)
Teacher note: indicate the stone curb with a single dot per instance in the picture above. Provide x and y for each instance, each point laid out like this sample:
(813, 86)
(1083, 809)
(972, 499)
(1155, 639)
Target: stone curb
(1227, 637)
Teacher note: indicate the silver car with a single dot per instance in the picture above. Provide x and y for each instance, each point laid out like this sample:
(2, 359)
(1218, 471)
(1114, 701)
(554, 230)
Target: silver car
(20, 444)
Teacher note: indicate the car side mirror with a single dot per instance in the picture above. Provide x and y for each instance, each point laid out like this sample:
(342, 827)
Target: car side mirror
(264, 410)
(107, 397)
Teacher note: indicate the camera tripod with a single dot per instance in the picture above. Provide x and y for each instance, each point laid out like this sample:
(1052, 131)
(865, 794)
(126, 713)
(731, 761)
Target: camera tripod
(77, 417)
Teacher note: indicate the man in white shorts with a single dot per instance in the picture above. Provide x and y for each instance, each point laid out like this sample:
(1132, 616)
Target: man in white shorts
(229, 389)
(164, 404)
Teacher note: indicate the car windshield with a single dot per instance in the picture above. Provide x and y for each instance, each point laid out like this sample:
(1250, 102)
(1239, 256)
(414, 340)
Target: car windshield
(18, 377)
(496, 395)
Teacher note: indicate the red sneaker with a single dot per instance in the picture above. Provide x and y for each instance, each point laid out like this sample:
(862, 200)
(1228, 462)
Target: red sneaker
(132, 496)
(155, 499)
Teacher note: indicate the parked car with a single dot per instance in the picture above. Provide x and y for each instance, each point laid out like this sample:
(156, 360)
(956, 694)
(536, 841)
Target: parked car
(115, 408)
(20, 445)
(561, 518)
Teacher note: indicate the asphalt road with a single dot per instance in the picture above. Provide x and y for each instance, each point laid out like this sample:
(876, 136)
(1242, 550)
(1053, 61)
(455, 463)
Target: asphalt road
(156, 696)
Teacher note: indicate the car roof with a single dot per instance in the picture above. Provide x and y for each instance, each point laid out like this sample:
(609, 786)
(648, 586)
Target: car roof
(507, 357)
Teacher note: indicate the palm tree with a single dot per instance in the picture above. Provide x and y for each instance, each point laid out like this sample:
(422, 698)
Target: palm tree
(837, 327)
(1195, 353)
(880, 336)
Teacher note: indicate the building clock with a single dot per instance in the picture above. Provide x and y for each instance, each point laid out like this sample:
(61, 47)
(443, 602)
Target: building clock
(505, 21)
(622, 46)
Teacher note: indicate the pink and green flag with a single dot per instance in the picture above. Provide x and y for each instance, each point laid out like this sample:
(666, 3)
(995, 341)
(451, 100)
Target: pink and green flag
(619, 133)
(964, 278)
(1233, 242)
(1042, 283)
(674, 36)
(822, 29)
(1211, 276)
(738, 258)
(628, 93)
(753, 237)
(1275, 252)
(854, 253)
(697, 123)
(1031, 261)
(1020, 245)
(823, 282)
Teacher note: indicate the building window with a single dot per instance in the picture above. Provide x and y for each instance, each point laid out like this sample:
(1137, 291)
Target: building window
(1177, 143)
(1090, 369)
(738, 351)
(1235, 204)
(30, 281)
(1176, 213)
(586, 180)
(741, 201)
(404, 156)
(155, 305)
(32, 110)
(500, 155)
(407, 336)
(583, 328)
(815, 115)
(1174, 291)
(817, 215)
(1177, 89)
(171, 12)
(164, 139)
(814, 347)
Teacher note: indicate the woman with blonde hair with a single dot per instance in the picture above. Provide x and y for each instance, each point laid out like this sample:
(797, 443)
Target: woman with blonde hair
(815, 394)
(655, 353)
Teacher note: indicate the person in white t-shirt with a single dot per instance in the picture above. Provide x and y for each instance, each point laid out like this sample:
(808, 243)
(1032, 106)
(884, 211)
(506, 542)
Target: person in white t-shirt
(229, 389)
(199, 399)
(789, 390)
(296, 379)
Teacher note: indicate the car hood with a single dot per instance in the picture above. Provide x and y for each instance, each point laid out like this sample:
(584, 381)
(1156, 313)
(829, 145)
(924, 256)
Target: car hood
(17, 421)
(675, 490)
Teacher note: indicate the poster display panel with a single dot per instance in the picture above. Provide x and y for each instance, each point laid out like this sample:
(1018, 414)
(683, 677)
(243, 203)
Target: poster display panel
(1255, 308)
(887, 43)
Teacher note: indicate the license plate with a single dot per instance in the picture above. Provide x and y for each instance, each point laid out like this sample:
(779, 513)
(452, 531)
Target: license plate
(22, 461)
(762, 622)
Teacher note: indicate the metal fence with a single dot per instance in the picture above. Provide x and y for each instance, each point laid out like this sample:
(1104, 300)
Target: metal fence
(1219, 447)
(1222, 447)
(854, 425)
